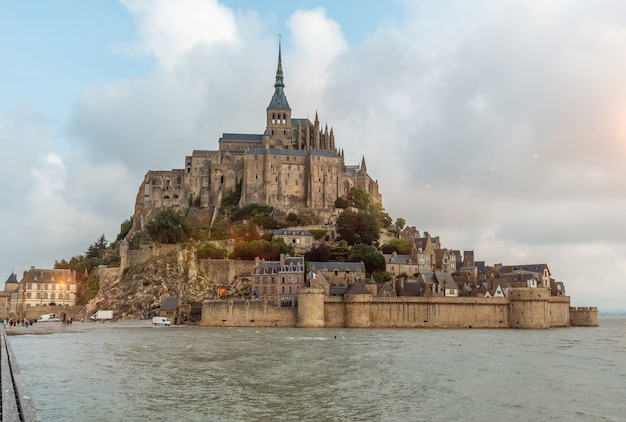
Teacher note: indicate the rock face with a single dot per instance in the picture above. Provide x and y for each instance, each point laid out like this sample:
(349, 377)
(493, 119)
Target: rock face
(140, 290)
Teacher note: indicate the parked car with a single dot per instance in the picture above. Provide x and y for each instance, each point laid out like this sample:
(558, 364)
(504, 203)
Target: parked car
(158, 320)
(48, 318)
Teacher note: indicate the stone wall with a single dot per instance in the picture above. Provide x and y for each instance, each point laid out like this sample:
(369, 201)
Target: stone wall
(224, 271)
(583, 316)
(76, 312)
(440, 312)
(147, 252)
(246, 313)
(525, 309)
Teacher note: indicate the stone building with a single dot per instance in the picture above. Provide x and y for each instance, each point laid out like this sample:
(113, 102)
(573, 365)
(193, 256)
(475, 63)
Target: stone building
(278, 281)
(335, 277)
(294, 166)
(401, 264)
(44, 287)
(300, 240)
(5, 296)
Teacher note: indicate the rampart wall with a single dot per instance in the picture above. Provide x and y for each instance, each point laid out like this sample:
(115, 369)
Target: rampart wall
(246, 313)
(224, 271)
(524, 310)
(63, 312)
(583, 316)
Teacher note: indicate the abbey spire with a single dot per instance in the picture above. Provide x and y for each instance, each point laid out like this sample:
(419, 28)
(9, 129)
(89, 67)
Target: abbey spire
(279, 100)
(278, 127)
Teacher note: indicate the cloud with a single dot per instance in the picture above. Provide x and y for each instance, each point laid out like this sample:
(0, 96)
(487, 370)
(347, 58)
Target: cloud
(499, 127)
(169, 28)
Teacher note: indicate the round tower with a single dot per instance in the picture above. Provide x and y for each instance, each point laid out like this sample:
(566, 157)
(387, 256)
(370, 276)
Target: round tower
(529, 307)
(123, 255)
(358, 303)
(311, 308)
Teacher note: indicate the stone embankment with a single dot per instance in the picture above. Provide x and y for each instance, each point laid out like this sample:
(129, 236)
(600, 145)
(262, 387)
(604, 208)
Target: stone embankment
(17, 403)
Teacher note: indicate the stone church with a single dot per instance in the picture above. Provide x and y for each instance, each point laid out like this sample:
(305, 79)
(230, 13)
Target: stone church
(294, 165)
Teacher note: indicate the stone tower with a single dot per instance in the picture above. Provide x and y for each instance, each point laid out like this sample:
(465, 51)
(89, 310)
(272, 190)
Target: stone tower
(311, 308)
(278, 129)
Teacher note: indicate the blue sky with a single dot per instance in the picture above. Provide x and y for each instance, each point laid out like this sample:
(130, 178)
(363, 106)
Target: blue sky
(498, 126)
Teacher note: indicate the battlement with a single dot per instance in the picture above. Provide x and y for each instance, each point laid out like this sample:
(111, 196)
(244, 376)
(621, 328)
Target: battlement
(583, 316)
(527, 308)
(529, 294)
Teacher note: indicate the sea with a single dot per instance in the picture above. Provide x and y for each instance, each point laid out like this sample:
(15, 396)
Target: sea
(132, 371)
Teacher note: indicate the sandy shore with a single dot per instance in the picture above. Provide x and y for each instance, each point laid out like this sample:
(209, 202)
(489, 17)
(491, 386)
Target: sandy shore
(76, 327)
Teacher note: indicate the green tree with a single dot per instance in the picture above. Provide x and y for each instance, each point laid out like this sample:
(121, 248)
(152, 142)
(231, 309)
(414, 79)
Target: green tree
(125, 228)
(359, 198)
(320, 253)
(357, 252)
(209, 250)
(168, 226)
(96, 249)
(140, 238)
(220, 229)
(372, 259)
(361, 227)
(232, 199)
(400, 246)
(250, 250)
(279, 242)
(399, 225)
(341, 203)
(381, 276)
(265, 220)
(340, 250)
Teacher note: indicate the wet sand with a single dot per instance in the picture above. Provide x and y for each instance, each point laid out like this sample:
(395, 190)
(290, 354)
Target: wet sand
(75, 327)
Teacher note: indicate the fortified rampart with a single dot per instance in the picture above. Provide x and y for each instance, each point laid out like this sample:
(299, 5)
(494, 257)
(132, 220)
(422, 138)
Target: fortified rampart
(583, 316)
(63, 312)
(246, 313)
(524, 308)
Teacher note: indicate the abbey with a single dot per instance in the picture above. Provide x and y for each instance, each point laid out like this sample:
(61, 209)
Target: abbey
(294, 165)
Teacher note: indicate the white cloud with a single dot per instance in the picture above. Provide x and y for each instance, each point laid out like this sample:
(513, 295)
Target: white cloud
(169, 28)
(499, 127)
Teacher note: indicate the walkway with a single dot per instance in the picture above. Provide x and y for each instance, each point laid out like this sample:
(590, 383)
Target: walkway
(16, 402)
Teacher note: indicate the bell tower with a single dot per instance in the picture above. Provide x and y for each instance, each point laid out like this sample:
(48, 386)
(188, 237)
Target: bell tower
(278, 127)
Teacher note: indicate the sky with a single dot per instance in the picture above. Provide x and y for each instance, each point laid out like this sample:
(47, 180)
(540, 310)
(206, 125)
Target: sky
(498, 126)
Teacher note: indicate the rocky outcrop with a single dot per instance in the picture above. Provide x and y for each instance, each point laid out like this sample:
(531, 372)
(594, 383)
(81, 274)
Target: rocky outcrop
(140, 290)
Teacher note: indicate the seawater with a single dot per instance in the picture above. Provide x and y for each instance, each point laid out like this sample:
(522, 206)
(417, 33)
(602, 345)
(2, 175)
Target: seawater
(135, 372)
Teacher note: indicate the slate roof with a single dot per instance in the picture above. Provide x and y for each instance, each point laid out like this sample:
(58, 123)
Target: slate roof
(12, 279)
(399, 259)
(275, 267)
(294, 152)
(445, 279)
(428, 278)
(241, 137)
(289, 232)
(169, 304)
(411, 289)
(300, 122)
(340, 266)
(537, 268)
(357, 289)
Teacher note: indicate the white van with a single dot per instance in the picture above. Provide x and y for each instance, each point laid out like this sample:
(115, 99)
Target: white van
(48, 318)
(159, 320)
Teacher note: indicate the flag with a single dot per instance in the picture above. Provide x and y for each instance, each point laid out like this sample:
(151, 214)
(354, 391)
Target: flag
(313, 275)
(255, 294)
